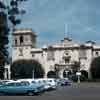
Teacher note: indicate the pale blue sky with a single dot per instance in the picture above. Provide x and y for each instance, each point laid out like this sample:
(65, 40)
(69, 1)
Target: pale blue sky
(48, 19)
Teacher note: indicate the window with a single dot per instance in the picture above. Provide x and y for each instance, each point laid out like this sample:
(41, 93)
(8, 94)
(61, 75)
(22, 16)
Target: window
(25, 83)
(66, 56)
(33, 82)
(66, 52)
(21, 39)
(39, 81)
(33, 55)
(18, 84)
(67, 59)
(50, 80)
(44, 81)
(42, 54)
(97, 53)
(26, 38)
(15, 41)
(10, 84)
(82, 53)
(21, 52)
(50, 55)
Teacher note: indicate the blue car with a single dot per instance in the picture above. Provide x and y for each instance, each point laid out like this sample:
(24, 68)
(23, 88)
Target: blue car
(63, 82)
(19, 88)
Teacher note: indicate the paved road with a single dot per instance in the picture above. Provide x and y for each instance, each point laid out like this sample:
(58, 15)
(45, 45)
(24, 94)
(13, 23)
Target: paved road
(84, 91)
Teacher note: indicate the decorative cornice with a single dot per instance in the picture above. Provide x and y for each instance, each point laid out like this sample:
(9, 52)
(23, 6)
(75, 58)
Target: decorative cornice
(23, 45)
(24, 31)
(36, 51)
(96, 49)
(70, 48)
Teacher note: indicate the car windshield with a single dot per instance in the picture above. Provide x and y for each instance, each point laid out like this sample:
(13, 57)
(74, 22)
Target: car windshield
(3, 82)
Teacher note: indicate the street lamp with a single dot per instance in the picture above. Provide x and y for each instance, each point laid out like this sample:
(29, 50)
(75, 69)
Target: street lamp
(33, 74)
(78, 75)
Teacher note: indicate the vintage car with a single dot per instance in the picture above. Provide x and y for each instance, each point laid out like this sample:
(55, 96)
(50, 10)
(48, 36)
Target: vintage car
(19, 88)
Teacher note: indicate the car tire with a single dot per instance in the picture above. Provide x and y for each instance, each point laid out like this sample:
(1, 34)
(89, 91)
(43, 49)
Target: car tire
(3, 94)
(30, 93)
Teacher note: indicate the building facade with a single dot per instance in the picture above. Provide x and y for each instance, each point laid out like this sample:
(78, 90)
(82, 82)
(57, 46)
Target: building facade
(60, 56)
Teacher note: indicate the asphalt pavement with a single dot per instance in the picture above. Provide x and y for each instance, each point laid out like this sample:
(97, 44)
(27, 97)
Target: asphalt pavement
(82, 91)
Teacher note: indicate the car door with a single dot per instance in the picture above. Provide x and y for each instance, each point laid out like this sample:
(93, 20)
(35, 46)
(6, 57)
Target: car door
(19, 88)
(24, 87)
(9, 88)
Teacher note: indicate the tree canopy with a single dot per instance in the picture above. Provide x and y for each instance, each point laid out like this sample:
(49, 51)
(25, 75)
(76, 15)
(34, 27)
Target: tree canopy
(8, 13)
(95, 68)
(26, 69)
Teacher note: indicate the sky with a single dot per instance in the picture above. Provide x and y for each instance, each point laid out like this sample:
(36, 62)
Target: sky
(54, 19)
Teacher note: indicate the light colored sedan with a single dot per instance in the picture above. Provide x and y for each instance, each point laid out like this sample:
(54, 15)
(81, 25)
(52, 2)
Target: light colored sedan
(19, 88)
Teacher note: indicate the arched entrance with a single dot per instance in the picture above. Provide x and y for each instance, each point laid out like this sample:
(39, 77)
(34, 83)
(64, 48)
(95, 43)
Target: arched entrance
(51, 74)
(67, 73)
(64, 73)
(63, 70)
(26, 69)
(84, 75)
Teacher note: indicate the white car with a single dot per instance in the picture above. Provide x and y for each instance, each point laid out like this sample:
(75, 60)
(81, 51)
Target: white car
(43, 82)
(52, 83)
(49, 83)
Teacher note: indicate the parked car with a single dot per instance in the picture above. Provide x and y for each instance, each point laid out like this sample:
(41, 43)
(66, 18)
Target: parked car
(63, 82)
(44, 83)
(52, 83)
(33, 82)
(19, 88)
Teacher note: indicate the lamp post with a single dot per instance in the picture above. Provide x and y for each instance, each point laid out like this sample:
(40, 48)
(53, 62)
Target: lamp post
(78, 75)
(33, 74)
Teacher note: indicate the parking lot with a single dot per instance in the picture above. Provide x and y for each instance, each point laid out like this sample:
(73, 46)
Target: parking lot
(84, 91)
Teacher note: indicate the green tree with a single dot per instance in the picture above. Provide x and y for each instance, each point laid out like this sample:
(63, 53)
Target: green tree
(7, 13)
(3, 40)
(26, 69)
(95, 68)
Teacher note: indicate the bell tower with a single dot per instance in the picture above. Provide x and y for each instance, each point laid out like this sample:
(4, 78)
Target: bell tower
(23, 41)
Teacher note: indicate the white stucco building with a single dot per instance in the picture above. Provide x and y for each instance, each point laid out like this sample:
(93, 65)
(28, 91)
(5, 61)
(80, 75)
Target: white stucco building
(60, 55)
